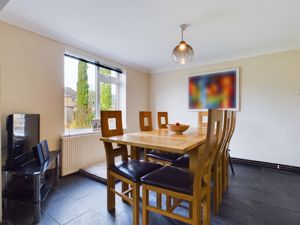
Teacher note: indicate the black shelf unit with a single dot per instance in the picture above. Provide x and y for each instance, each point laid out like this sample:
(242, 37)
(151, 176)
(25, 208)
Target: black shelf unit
(39, 178)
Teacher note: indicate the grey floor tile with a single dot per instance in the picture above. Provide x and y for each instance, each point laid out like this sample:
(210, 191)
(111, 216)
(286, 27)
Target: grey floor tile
(80, 187)
(240, 211)
(62, 208)
(256, 196)
(97, 200)
(273, 215)
(89, 218)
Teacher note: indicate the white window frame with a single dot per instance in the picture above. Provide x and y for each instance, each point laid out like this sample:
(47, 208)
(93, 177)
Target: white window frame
(98, 79)
(106, 79)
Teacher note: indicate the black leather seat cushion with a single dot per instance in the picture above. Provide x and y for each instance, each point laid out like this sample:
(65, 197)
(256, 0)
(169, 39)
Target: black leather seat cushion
(183, 161)
(134, 169)
(166, 156)
(171, 178)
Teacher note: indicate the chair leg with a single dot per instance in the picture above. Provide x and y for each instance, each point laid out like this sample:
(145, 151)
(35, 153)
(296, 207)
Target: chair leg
(168, 202)
(196, 212)
(145, 155)
(220, 186)
(145, 213)
(206, 209)
(158, 200)
(111, 199)
(216, 191)
(231, 166)
(136, 205)
(191, 210)
(224, 171)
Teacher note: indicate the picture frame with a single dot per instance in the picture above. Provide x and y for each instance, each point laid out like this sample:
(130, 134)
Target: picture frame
(215, 89)
(95, 124)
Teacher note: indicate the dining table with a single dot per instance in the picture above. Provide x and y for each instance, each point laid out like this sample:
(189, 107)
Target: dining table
(190, 142)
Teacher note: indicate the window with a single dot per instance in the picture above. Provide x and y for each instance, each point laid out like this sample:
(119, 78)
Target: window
(89, 88)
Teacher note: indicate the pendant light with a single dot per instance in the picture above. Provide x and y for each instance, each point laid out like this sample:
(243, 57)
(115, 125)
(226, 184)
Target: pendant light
(183, 52)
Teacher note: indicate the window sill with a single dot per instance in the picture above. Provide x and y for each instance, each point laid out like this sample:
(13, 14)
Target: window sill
(82, 132)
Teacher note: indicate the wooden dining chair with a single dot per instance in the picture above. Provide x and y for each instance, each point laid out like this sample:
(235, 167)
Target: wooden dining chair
(152, 155)
(163, 120)
(183, 185)
(128, 171)
(203, 121)
(217, 169)
(226, 155)
(183, 161)
(145, 121)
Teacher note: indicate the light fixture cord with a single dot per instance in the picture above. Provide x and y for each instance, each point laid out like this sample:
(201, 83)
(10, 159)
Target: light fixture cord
(181, 34)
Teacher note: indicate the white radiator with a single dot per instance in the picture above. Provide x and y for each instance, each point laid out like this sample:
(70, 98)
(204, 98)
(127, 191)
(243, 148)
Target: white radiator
(81, 151)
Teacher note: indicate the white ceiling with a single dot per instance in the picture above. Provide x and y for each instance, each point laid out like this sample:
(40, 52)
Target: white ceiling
(143, 33)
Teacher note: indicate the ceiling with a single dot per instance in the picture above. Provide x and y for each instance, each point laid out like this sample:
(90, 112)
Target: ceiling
(142, 34)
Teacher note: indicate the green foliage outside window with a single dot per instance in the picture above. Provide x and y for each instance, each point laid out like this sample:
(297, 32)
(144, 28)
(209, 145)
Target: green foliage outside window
(105, 91)
(105, 96)
(83, 115)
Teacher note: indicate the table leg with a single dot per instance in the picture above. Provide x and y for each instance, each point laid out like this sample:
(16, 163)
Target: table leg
(37, 197)
(135, 153)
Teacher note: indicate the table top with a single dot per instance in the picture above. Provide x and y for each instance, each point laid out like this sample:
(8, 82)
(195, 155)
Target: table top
(162, 139)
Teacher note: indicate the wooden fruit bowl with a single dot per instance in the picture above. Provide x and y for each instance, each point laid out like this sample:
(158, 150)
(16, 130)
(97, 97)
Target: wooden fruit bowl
(178, 128)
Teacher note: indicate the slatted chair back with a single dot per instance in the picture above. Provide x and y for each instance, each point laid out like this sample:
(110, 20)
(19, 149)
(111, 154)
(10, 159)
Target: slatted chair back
(227, 128)
(213, 141)
(225, 135)
(162, 120)
(217, 171)
(232, 125)
(231, 128)
(203, 121)
(145, 121)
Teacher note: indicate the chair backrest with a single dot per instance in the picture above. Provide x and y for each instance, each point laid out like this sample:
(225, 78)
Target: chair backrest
(224, 137)
(203, 121)
(232, 126)
(111, 123)
(213, 141)
(162, 116)
(145, 121)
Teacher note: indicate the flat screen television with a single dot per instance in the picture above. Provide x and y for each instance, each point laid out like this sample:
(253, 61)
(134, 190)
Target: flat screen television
(23, 133)
(219, 89)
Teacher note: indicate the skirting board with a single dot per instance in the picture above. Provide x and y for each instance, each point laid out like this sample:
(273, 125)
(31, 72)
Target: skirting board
(266, 164)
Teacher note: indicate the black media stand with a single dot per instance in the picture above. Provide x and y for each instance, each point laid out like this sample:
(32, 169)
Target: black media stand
(42, 183)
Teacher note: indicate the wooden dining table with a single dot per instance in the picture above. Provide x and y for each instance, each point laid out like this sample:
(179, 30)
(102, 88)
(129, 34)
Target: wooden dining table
(190, 142)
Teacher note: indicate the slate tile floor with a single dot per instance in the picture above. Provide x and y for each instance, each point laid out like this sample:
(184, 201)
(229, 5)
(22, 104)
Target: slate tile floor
(256, 196)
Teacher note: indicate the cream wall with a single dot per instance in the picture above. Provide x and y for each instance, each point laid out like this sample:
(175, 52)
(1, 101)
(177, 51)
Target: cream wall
(32, 80)
(32, 74)
(137, 85)
(269, 121)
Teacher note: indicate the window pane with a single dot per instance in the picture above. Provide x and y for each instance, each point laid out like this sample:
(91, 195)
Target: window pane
(107, 72)
(80, 94)
(108, 96)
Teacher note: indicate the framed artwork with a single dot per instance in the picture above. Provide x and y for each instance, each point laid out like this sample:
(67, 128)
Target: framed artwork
(218, 89)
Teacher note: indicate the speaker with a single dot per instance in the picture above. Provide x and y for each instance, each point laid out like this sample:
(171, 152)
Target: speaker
(45, 149)
(38, 154)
